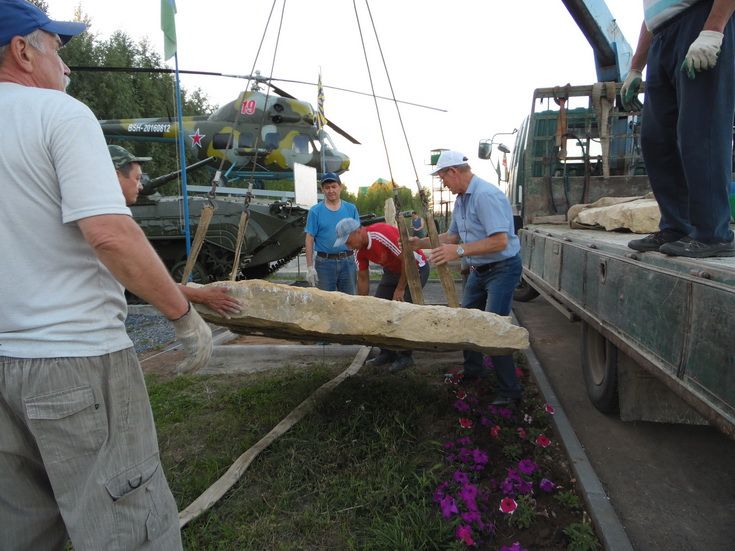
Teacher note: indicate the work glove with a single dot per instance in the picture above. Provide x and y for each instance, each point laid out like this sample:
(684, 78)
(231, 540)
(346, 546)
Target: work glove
(703, 52)
(311, 276)
(629, 91)
(196, 337)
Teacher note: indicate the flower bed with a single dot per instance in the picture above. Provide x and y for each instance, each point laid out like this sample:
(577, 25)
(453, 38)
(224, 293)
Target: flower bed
(507, 483)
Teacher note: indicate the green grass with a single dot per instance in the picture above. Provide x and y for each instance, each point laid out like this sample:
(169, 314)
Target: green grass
(357, 473)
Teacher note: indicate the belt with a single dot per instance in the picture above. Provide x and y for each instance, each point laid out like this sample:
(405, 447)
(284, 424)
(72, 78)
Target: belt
(482, 268)
(334, 256)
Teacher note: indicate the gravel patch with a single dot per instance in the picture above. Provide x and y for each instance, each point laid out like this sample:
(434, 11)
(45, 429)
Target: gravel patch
(149, 331)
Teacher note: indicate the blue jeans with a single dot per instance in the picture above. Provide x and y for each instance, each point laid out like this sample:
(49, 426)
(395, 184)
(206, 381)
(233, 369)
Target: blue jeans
(338, 274)
(492, 291)
(686, 134)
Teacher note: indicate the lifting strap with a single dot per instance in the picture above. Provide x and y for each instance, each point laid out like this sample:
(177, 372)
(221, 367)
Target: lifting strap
(204, 219)
(241, 231)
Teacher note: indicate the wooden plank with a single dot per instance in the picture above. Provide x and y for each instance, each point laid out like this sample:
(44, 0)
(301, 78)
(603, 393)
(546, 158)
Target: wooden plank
(409, 263)
(445, 276)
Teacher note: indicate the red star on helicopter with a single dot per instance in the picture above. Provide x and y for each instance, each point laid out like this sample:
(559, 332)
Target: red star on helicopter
(196, 138)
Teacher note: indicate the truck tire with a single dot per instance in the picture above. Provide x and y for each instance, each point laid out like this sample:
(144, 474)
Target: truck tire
(524, 292)
(600, 369)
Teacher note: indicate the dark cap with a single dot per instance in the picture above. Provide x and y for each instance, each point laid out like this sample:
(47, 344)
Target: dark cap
(20, 18)
(121, 156)
(330, 177)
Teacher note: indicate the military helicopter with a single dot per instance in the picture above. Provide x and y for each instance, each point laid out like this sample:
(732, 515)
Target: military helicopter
(256, 135)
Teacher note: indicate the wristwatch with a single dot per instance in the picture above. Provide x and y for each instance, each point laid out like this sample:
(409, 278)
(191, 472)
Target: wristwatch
(460, 251)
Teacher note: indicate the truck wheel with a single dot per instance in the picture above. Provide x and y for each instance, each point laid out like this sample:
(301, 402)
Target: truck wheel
(600, 368)
(524, 292)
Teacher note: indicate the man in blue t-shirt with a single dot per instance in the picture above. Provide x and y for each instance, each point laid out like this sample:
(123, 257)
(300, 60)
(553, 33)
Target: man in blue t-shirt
(328, 267)
(482, 221)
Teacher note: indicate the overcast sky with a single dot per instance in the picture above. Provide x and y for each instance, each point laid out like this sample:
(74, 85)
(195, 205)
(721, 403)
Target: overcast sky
(478, 59)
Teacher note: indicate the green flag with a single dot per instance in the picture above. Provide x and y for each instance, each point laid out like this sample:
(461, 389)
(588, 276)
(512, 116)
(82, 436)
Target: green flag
(168, 26)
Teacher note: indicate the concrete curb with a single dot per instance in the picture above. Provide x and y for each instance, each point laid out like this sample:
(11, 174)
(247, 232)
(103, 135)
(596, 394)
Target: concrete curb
(606, 521)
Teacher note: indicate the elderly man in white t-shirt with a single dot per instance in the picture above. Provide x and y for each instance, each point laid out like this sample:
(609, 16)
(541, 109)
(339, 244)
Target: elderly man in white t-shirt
(79, 457)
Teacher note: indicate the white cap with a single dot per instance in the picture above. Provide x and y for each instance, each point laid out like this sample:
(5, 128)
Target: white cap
(449, 158)
(344, 228)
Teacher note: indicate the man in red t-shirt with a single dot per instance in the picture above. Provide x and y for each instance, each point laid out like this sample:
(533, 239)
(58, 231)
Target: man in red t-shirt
(380, 244)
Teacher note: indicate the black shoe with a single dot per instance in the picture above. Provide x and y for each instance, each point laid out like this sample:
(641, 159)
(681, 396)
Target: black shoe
(400, 364)
(381, 359)
(654, 241)
(686, 246)
(505, 401)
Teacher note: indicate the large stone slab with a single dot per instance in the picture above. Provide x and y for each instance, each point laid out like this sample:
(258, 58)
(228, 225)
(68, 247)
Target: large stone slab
(291, 312)
(636, 214)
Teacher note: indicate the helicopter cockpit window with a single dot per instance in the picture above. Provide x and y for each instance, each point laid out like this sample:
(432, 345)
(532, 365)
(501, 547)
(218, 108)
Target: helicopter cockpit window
(271, 138)
(301, 144)
(220, 141)
(246, 140)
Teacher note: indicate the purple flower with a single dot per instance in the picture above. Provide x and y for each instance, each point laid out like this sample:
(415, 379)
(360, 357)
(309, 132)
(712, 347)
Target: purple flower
(448, 445)
(468, 493)
(471, 516)
(479, 457)
(547, 485)
(464, 441)
(507, 486)
(461, 406)
(485, 422)
(448, 507)
(461, 477)
(465, 455)
(515, 547)
(527, 466)
(524, 487)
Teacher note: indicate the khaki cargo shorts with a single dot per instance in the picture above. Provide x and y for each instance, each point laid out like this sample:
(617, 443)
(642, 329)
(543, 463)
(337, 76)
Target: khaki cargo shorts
(79, 457)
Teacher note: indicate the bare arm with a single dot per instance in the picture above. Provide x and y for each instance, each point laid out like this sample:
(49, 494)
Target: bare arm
(309, 248)
(640, 57)
(400, 289)
(493, 244)
(121, 245)
(363, 282)
(215, 298)
(719, 15)
(425, 242)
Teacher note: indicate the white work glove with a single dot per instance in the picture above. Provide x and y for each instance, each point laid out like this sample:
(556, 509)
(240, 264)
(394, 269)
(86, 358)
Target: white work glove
(196, 336)
(630, 90)
(311, 276)
(703, 52)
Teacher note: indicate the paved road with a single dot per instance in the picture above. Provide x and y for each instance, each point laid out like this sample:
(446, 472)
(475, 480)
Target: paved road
(673, 486)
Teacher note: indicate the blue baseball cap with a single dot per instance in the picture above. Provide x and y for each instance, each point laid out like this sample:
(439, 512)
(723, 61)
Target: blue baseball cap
(330, 177)
(20, 18)
(344, 228)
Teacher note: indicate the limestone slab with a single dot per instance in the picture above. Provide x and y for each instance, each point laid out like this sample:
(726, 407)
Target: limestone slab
(291, 312)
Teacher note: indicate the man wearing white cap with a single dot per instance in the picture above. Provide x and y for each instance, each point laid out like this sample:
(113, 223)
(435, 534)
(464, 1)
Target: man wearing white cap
(79, 456)
(481, 233)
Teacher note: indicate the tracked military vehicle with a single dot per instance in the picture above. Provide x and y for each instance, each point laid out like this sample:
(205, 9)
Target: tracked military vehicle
(275, 233)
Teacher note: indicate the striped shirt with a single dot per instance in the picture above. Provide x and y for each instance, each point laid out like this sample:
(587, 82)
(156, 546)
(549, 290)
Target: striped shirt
(658, 12)
(383, 248)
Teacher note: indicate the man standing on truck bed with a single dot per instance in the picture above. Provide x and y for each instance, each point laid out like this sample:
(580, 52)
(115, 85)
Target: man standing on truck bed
(483, 221)
(687, 122)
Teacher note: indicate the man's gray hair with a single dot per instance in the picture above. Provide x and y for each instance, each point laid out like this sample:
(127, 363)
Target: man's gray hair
(35, 39)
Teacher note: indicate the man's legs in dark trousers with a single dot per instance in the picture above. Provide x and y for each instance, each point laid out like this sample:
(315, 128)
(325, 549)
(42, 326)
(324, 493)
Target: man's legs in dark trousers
(687, 131)
(492, 291)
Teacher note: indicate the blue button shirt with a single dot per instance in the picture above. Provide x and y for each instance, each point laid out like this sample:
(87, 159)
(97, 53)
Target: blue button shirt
(479, 212)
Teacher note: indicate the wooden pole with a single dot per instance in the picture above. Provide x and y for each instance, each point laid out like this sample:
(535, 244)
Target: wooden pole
(445, 275)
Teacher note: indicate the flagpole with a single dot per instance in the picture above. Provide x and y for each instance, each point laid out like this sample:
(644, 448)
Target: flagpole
(182, 155)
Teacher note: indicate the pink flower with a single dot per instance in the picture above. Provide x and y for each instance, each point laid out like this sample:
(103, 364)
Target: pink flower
(464, 533)
(543, 441)
(495, 431)
(549, 409)
(521, 433)
(460, 394)
(519, 372)
(508, 505)
(466, 423)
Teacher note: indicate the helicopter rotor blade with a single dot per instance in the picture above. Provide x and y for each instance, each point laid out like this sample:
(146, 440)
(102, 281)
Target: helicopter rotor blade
(330, 124)
(256, 77)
